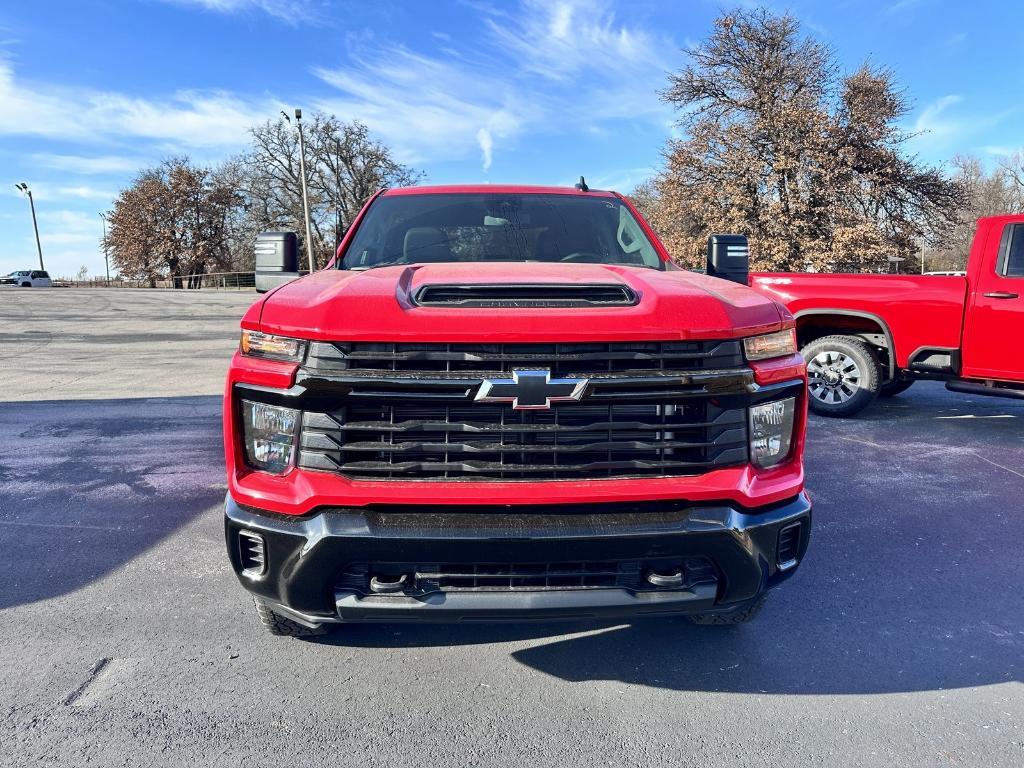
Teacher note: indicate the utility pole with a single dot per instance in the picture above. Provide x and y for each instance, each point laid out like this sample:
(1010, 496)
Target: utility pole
(106, 255)
(23, 188)
(305, 192)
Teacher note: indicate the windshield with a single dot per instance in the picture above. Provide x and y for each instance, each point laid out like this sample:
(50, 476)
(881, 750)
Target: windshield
(430, 228)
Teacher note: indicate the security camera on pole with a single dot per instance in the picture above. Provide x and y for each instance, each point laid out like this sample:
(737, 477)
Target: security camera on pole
(305, 192)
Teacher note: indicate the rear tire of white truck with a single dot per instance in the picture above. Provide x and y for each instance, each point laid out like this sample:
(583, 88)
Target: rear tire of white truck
(282, 626)
(843, 375)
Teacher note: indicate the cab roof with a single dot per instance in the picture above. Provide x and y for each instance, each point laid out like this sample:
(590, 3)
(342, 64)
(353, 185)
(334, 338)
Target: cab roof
(495, 189)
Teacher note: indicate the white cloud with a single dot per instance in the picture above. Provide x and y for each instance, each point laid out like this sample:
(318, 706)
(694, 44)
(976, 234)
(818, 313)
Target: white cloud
(935, 124)
(424, 107)
(562, 39)
(902, 6)
(542, 68)
(191, 118)
(483, 137)
(562, 68)
(86, 193)
(942, 128)
(47, 191)
(88, 165)
(291, 11)
(1000, 150)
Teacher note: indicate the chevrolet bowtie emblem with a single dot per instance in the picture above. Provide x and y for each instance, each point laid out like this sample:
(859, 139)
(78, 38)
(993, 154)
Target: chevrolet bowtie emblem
(530, 390)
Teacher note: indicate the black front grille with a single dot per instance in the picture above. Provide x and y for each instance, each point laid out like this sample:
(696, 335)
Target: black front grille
(427, 578)
(407, 411)
(562, 358)
(398, 440)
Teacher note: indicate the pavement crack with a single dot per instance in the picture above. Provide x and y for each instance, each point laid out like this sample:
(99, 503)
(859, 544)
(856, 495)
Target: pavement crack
(94, 673)
(996, 464)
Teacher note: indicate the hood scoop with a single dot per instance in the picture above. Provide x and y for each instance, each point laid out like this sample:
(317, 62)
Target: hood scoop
(526, 295)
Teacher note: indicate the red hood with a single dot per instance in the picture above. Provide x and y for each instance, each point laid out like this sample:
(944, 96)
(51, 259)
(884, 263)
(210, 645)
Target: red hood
(375, 306)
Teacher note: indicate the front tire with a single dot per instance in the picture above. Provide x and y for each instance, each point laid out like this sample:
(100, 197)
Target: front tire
(282, 626)
(843, 375)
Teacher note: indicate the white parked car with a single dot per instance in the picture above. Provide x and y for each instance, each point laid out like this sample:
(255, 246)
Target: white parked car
(28, 278)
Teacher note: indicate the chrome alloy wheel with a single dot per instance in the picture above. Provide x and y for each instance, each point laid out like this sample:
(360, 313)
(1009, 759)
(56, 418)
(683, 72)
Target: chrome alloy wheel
(833, 377)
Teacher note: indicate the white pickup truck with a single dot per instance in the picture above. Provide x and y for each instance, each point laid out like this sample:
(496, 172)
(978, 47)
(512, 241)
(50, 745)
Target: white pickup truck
(28, 278)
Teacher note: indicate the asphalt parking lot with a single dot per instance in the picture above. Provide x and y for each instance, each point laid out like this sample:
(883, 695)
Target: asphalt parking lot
(125, 639)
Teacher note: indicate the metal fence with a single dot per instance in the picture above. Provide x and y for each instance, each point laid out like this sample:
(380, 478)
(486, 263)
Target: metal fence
(231, 281)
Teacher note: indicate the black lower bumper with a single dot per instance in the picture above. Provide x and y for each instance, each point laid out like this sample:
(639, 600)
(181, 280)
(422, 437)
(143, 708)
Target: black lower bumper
(316, 569)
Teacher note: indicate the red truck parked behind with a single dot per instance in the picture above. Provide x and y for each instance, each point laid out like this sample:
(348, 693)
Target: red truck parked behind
(865, 336)
(506, 403)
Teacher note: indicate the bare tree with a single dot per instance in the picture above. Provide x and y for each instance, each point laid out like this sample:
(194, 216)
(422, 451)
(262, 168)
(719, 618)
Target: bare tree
(810, 165)
(349, 167)
(988, 193)
(178, 219)
(345, 166)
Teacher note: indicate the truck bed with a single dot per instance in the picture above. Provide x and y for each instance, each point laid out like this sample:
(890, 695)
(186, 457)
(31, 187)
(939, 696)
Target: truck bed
(918, 310)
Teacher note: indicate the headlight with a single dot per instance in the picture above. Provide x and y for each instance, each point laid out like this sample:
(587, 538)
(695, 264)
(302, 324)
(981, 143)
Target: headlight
(256, 344)
(778, 344)
(269, 433)
(771, 431)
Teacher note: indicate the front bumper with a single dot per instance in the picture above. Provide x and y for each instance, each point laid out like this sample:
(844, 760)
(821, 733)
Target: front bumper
(308, 560)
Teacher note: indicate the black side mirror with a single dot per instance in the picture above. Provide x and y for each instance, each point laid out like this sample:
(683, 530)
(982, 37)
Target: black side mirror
(277, 259)
(729, 258)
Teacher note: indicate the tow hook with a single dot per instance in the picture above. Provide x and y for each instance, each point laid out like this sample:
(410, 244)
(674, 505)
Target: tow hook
(668, 579)
(383, 585)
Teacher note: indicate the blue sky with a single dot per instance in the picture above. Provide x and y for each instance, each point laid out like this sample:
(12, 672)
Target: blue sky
(537, 92)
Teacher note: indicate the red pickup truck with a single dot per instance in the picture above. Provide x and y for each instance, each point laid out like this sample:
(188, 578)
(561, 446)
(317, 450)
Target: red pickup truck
(865, 336)
(507, 403)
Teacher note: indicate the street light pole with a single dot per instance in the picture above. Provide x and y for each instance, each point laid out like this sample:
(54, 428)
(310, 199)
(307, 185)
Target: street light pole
(106, 259)
(35, 225)
(305, 192)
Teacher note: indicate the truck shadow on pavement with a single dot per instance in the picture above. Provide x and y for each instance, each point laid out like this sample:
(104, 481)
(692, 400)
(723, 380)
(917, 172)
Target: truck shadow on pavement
(88, 485)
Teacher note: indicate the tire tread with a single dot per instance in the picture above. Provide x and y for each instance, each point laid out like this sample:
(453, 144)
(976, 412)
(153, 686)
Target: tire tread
(281, 626)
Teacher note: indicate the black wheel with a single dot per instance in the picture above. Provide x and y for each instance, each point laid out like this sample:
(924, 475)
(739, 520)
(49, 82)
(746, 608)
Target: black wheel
(26, 285)
(894, 387)
(279, 625)
(739, 616)
(843, 376)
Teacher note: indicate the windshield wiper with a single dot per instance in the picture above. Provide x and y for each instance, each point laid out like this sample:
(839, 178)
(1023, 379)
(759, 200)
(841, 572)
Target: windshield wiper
(364, 267)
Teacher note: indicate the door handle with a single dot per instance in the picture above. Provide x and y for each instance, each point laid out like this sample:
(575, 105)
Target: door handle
(1000, 295)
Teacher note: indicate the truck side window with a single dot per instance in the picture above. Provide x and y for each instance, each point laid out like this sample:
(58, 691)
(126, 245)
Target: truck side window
(1013, 260)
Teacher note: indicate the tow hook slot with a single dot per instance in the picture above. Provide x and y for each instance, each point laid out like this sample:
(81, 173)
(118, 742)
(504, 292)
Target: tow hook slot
(665, 578)
(385, 585)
